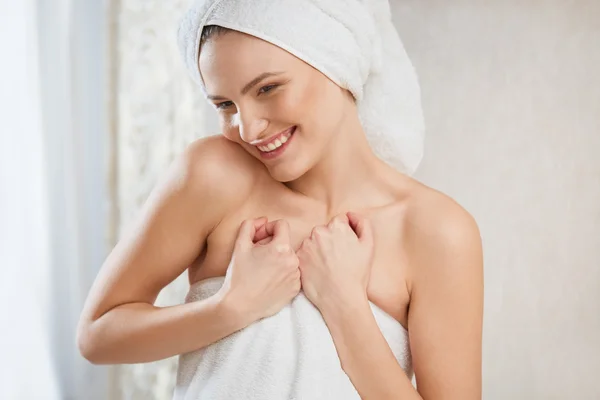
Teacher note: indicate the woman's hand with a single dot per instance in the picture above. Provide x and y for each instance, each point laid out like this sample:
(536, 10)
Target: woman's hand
(263, 275)
(335, 261)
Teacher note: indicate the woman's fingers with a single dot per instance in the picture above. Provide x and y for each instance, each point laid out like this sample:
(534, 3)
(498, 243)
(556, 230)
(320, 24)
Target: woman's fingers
(248, 232)
(361, 226)
(261, 230)
(280, 230)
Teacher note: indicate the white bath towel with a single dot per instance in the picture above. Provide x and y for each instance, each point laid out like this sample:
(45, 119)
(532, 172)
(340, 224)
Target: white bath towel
(353, 42)
(289, 356)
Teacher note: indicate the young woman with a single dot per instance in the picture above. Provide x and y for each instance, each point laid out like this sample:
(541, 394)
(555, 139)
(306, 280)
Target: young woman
(311, 260)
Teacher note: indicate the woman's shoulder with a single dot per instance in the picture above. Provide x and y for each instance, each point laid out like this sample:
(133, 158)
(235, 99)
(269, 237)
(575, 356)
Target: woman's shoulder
(442, 240)
(436, 221)
(219, 168)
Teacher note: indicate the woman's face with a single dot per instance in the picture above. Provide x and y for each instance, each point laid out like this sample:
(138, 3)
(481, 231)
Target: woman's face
(280, 109)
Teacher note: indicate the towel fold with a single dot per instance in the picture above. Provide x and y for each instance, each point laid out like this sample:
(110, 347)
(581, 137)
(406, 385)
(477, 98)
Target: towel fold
(352, 42)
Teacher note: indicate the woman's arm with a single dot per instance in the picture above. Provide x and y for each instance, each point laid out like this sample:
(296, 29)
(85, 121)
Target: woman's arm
(445, 319)
(119, 323)
(364, 353)
(446, 309)
(139, 332)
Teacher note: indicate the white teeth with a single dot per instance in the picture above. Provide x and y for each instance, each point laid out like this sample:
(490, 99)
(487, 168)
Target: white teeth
(275, 144)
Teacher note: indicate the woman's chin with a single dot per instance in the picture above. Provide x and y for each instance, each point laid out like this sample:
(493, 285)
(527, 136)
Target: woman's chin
(284, 176)
(286, 173)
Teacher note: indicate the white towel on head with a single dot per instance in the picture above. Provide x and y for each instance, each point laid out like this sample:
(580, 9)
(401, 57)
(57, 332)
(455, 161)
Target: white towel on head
(353, 42)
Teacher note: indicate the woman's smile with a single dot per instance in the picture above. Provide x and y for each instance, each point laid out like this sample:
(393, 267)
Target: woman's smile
(276, 145)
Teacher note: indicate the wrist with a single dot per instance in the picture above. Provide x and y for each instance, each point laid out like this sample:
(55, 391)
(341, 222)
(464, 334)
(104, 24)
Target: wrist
(344, 305)
(233, 311)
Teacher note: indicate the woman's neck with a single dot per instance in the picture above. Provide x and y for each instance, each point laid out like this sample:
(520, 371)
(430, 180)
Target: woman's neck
(344, 178)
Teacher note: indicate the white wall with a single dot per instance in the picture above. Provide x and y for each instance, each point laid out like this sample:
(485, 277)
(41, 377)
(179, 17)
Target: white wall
(511, 91)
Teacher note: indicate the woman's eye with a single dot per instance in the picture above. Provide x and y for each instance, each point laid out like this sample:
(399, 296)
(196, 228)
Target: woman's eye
(225, 104)
(266, 89)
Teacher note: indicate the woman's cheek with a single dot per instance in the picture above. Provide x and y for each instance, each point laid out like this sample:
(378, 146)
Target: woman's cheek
(285, 106)
(229, 128)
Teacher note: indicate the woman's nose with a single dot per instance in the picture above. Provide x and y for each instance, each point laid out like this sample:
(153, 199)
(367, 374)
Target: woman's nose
(251, 126)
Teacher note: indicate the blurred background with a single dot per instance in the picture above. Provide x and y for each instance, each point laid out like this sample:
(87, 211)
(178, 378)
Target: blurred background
(95, 102)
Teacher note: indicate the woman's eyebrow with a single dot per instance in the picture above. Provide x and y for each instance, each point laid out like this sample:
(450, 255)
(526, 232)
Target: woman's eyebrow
(257, 80)
(249, 85)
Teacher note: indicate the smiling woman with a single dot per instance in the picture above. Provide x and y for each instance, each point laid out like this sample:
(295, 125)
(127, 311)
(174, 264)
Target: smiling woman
(296, 97)
(304, 238)
(515, 142)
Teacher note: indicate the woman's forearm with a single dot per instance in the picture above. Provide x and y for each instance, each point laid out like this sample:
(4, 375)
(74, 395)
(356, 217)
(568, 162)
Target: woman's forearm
(141, 332)
(365, 355)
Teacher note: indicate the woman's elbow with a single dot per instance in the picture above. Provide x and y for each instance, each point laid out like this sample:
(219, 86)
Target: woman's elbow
(88, 343)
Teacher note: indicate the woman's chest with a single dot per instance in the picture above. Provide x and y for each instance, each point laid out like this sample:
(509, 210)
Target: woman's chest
(387, 286)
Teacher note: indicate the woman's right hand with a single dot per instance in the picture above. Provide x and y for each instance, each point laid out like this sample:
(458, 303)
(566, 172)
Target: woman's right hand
(263, 275)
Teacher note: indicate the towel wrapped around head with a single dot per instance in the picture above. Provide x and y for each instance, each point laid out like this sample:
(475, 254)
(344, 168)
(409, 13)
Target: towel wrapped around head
(352, 42)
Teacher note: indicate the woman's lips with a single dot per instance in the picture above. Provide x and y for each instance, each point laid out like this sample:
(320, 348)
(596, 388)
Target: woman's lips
(272, 139)
(277, 145)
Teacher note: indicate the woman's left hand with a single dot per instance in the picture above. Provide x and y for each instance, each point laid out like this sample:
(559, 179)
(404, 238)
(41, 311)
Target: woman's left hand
(335, 262)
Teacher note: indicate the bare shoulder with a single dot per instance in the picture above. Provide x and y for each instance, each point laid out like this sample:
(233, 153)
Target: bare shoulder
(222, 163)
(218, 169)
(441, 234)
(213, 175)
(434, 214)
